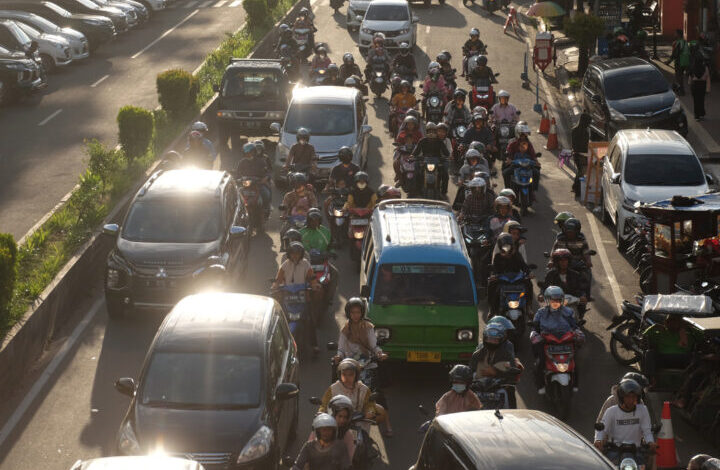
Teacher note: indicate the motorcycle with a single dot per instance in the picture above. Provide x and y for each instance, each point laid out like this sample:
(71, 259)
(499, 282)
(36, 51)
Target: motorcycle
(302, 38)
(504, 133)
(482, 93)
(626, 455)
(379, 82)
(359, 221)
(336, 215)
(514, 304)
(399, 74)
(449, 76)
(431, 178)
(479, 245)
(457, 131)
(250, 193)
(292, 221)
(522, 182)
(626, 339)
(497, 392)
(319, 77)
(294, 301)
(559, 369)
(320, 262)
(406, 170)
(433, 107)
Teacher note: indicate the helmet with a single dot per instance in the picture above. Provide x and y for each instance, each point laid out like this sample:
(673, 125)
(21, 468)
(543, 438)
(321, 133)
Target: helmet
(449, 56)
(508, 193)
(404, 84)
(479, 116)
(320, 49)
(572, 224)
(283, 28)
(503, 94)
(347, 364)
(474, 32)
(386, 191)
(259, 146)
(711, 464)
(298, 179)
(501, 322)
(513, 224)
(292, 235)
(249, 148)
(303, 132)
(404, 48)
(479, 146)
(481, 60)
(351, 82)
(494, 334)
(522, 128)
(472, 153)
(459, 94)
(361, 176)
(505, 243)
(348, 58)
(304, 11)
(333, 68)
(479, 110)
(199, 126)
(409, 119)
(433, 65)
(339, 403)
(637, 377)
(562, 217)
(627, 386)
(477, 182)
(355, 302)
(414, 113)
(323, 420)
(618, 30)
(379, 38)
(296, 247)
(345, 154)
(442, 58)
(696, 463)
(554, 293)
(314, 213)
(561, 253)
(460, 373)
(502, 201)
(430, 126)
(442, 125)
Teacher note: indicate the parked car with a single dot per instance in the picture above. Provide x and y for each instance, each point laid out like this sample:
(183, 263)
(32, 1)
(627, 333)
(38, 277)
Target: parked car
(19, 75)
(97, 29)
(180, 223)
(79, 48)
(393, 18)
(335, 117)
(219, 385)
(154, 462)
(630, 93)
(647, 166)
(129, 7)
(54, 50)
(355, 13)
(123, 22)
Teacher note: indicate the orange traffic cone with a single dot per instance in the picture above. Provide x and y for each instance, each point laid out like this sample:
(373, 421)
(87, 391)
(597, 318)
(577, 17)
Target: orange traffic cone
(666, 455)
(544, 121)
(552, 142)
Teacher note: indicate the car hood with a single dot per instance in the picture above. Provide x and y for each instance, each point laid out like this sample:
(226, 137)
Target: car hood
(324, 144)
(86, 16)
(659, 193)
(644, 104)
(386, 25)
(54, 38)
(75, 34)
(181, 431)
(166, 255)
(241, 103)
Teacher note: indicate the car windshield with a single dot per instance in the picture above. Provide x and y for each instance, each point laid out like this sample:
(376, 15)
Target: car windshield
(251, 84)
(58, 9)
(88, 4)
(423, 284)
(18, 33)
(43, 24)
(321, 119)
(622, 86)
(29, 30)
(663, 170)
(387, 13)
(173, 221)
(202, 381)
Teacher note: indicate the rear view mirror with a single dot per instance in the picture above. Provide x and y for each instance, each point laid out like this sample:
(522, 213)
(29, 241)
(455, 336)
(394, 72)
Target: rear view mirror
(538, 155)
(315, 401)
(497, 74)
(126, 386)
(592, 252)
(423, 411)
(332, 346)
(285, 391)
(415, 19)
(111, 230)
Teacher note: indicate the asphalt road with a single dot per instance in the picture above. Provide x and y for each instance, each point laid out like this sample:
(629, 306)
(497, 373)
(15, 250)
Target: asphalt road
(41, 139)
(77, 414)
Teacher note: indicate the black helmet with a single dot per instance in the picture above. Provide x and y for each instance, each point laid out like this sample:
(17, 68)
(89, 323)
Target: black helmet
(345, 154)
(442, 125)
(460, 373)
(482, 60)
(361, 176)
(314, 213)
(333, 68)
(348, 58)
(405, 83)
(303, 133)
(696, 463)
(292, 235)
(572, 225)
(505, 243)
(627, 386)
(296, 247)
(355, 302)
(493, 334)
(637, 377)
(459, 94)
(298, 179)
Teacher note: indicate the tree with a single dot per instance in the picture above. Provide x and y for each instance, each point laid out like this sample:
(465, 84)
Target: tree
(584, 29)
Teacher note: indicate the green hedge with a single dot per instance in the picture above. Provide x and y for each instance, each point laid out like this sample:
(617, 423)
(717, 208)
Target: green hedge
(8, 270)
(135, 130)
(257, 11)
(177, 92)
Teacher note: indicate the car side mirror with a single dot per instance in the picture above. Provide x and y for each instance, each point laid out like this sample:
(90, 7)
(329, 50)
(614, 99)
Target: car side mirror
(599, 426)
(359, 18)
(111, 230)
(332, 346)
(236, 231)
(286, 391)
(315, 401)
(366, 129)
(709, 178)
(365, 291)
(126, 386)
(595, 99)
(275, 127)
(615, 179)
(216, 88)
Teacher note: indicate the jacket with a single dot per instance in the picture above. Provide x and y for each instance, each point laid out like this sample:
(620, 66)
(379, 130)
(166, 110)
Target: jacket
(452, 113)
(557, 322)
(347, 71)
(403, 100)
(431, 147)
(484, 135)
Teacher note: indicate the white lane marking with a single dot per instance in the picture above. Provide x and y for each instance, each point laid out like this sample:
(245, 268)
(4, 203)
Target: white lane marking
(102, 79)
(427, 29)
(600, 248)
(235, 3)
(49, 372)
(47, 119)
(205, 4)
(220, 3)
(139, 53)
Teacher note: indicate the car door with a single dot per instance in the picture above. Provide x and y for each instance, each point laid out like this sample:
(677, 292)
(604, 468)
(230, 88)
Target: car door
(592, 98)
(611, 167)
(281, 411)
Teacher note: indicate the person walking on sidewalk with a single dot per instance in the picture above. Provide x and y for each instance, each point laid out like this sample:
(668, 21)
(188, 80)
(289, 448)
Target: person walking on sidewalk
(580, 137)
(699, 80)
(681, 56)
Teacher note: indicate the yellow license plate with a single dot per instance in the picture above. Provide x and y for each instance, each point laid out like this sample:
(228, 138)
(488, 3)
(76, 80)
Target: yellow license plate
(424, 356)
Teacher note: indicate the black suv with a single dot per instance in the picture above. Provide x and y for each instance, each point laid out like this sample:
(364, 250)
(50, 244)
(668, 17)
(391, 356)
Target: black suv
(19, 75)
(180, 223)
(252, 95)
(630, 93)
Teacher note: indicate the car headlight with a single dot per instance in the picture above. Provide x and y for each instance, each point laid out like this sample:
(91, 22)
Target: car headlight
(465, 335)
(616, 115)
(127, 441)
(275, 115)
(514, 304)
(366, 30)
(404, 31)
(382, 333)
(225, 114)
(257, 447)
(113, 278)
(676, 107)
(430, 167)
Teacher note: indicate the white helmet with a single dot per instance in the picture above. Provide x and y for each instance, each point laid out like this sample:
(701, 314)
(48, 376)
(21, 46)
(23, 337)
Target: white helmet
(433, 65)
(199, 126)
(522, 128)
(323, 420)
(339, 402)
(504, 94)
(477, 182)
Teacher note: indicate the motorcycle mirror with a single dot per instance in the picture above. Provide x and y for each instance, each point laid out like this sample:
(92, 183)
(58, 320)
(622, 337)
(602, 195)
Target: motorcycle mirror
(423, 411)
(517, 112)
(332, 346)
(315, 401)
(599, 426)
(497, 74)
(546, 254)
(538, 155)
(592, 252)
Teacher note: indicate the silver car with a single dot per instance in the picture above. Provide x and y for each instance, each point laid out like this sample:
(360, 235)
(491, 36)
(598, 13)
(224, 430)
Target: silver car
(54, 50)
(78, 42)
(394, 19)
(355, 13)
(335, 116)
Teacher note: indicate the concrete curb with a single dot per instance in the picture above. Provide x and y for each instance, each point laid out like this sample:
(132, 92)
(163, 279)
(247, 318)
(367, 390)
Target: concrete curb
(55, 309)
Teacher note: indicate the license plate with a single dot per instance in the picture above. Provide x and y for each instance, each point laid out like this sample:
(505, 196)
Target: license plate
(424, 356)
(250, 123)
(161, 284)
(562, 349)
(318, 267)
(359, 222)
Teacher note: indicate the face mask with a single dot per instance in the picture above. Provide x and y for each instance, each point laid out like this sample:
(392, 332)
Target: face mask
(362, 185)
(458, 388)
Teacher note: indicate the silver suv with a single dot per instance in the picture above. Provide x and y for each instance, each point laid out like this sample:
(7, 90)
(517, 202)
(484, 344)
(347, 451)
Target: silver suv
(78, 42)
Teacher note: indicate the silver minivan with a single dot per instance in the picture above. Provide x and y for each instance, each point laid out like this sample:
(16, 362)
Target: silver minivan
(78, 42)
(335, 116)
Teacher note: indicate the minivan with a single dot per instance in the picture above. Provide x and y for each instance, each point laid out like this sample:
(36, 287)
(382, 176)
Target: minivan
(219, 385)
(418, 279)
(393, 18)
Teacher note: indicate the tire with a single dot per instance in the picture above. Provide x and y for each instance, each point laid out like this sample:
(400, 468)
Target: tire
(115, 309)
(604, 215)
(47, 62)
(564, 403)
(621, 354)
(622, 245)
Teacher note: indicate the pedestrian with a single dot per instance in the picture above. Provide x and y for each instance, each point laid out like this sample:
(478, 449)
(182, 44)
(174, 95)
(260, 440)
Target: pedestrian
(681, 56)
(580, 137)
(699, 80)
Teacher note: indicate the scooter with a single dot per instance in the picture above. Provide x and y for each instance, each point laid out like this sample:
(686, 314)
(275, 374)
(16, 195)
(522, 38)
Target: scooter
(337, 216)
(406, 170)
(379, 82)
(250, 193)
(292, 221)
(514, 302)
(320, 262)
(294, 301)
(497, 392)
(482, 93)
(479, 246)
(319, 77)
(522, 182)
(559, 370)
(504, 133)
(359, 221)
(431, 178)
(458, 129)
(302, 38)
(433, 107)
(626, 455)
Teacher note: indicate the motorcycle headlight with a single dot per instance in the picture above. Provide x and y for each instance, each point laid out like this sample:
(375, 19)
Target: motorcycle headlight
(257, 447)
(434, 101)
(616, 115)
(465, 335)
(382, 333)
(293, 316)
(676, 108)
(113, 278)
(514, 304)
(628, 464)
(127, 441)
(338, 213)
(504, 131)
(359, 235)
(561, 367)
(430, 167)
(247, 183)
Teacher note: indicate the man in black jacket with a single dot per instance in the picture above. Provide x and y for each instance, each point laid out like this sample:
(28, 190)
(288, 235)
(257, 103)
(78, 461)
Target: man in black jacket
(569, 280)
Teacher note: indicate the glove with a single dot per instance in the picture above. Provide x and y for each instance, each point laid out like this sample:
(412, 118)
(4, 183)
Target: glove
(535, 337)
(579, 337)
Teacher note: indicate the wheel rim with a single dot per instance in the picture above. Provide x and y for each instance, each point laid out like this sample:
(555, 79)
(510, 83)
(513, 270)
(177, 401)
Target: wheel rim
(622, 353)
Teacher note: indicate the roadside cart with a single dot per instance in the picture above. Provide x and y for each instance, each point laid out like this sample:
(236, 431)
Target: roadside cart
(543, 50)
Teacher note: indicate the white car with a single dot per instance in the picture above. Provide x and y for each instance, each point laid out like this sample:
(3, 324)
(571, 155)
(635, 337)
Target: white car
(394, 19)
(54, 50)
(78, 42)
(647, 166)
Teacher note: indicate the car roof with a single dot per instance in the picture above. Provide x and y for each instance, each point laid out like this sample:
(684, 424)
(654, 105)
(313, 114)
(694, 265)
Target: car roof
(621, 64)
(402, 227)
(521, 439)
(183, 182)
(138, 463)
(240, 63)
(389, 2)
(657, 141)
(325, 94)
(218, 322)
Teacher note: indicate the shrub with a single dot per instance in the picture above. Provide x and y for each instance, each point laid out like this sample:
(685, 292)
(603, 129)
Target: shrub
(177, 91)
(8, 270)
(257, 11)
(103, 162)
(86, 199)
(135, 131)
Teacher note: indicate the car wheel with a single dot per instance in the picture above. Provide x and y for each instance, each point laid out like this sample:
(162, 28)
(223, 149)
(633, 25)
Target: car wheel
(604, 214)
(47, 62)
(115, 309)
(620, 243)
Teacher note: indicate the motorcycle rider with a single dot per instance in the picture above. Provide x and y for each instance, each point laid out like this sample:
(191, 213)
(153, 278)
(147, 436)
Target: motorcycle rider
(410, 128)
(340, 407)
(403, 100)
(561, 218)
(432, 146)
(361, 196)
(334, 76)
(613, 399)
(435, 83)
(320, 60)
(495, 355)
(349, 68)
(343, 174)
(474, 162)
(446, 69)
(573, 240)
(377, 54)
(404, 59)
(472, 47)
(459, 398)
(199, 148)
(515, 230)
(510, 194)
(315, 236)
(482, 71)
(557, 319)
(477, 205)
(456, 111)
(480, 132)
(503, 110)
(522, 152)
(302, 153)
(254, 165)
(301, 198)
(442, 133)
(326, 452)
(569, 280)
(502, 215)
(521, 144)
(357, 337)
(507, 260)
(626, 422)
(286, 38)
